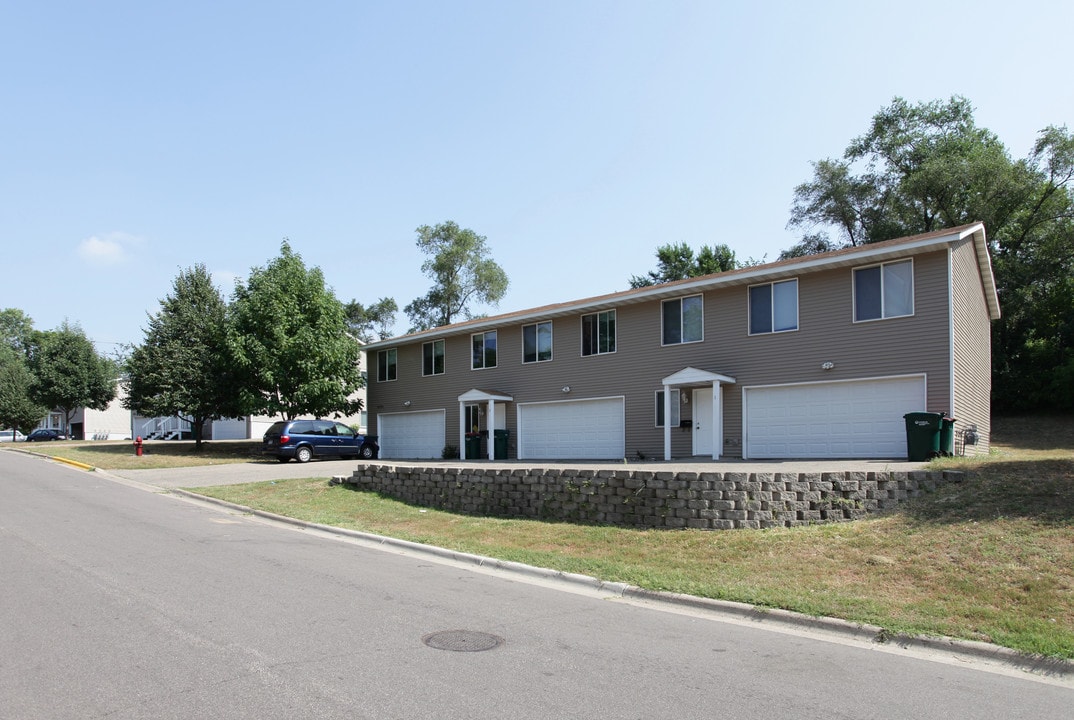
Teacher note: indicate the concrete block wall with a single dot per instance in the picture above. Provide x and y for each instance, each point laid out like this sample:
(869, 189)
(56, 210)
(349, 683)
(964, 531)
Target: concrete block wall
(642, 498)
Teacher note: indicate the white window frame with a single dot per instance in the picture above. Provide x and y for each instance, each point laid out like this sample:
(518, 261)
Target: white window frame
(596, 340)
(537, 342)
(884, 312)
(682, 322)
(443, 357)
(676, 408)
(772, 308)
(391, 367)
(485, 349)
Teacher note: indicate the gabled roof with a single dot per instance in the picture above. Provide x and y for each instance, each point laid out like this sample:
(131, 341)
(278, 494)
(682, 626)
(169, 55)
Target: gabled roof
(478, 395)
(845, 257)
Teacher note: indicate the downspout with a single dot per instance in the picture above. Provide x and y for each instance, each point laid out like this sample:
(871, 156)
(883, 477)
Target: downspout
(951, 331)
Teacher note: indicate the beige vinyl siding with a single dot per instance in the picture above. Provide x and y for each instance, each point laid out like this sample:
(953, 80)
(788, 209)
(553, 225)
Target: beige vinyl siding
(972, 334)
(827, 333)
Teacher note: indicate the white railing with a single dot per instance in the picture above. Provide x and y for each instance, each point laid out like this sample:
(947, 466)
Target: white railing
(164, 427)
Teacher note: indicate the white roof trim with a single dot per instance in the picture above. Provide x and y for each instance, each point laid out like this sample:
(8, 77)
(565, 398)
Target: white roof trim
(761, 273)
(693, 376)
(476, 395)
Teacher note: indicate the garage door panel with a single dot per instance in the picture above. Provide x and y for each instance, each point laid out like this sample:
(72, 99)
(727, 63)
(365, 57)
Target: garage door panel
(413, 435)
(846, 419)
(572, 430)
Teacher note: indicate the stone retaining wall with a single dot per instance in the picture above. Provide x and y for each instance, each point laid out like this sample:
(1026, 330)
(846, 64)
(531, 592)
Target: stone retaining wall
(642, 498)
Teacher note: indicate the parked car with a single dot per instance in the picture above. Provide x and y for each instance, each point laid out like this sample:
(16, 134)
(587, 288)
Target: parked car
(44, 435)
(7, 435)
(304, 440)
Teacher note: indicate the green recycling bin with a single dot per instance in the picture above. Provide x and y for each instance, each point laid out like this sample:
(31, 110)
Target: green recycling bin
(947, 435)
(499, 450)
(473, 446)
(922, 435)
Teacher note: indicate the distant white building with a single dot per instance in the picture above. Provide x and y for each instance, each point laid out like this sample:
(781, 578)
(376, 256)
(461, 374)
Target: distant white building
(112, 423)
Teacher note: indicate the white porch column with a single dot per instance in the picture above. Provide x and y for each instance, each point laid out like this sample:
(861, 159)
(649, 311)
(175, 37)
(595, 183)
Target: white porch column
(717, 420)
(492, 430)
(667, 422)
(462, 431)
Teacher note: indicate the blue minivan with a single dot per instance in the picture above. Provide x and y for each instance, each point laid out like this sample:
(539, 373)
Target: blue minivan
(304, 440)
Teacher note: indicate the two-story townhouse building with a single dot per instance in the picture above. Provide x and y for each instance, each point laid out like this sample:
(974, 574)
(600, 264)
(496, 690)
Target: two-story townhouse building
(813, 357)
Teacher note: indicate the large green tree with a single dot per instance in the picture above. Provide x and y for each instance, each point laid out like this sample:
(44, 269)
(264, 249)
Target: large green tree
(18, 410)
(461, 267)
(677, 261)
(68, 373)
(371, 322)
(183, 367)
(929, 166)
(288, 336)
(16, 329)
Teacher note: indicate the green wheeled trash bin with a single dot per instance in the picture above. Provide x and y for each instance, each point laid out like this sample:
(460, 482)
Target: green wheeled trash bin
(947, 436)
(499, 450)
(922, 435)
(473, 446)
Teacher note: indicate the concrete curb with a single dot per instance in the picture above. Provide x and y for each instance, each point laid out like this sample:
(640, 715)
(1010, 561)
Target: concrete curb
(57, 458)
(73, 463)
(1053, 668)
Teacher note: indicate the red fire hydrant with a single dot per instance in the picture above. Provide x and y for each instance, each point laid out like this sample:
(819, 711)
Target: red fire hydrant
(138, 446)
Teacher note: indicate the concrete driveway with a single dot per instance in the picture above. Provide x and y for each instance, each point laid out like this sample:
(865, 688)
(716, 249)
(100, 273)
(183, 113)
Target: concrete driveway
(235, 473)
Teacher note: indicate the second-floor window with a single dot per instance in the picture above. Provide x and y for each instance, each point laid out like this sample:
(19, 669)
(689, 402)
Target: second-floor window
(884, 291)
(774, 307)
(683, 320)
(598, 333)
(386, 365)
(537, 342)
(484, 350)
(432, 358)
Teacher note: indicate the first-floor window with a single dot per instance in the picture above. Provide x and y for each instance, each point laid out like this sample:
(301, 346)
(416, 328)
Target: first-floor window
(598, 333)
(432, 358)
(537, 342)
(675, 400)
(884, 291)
(386, 369)
(473, 419)
(774, 307)
(484, 347)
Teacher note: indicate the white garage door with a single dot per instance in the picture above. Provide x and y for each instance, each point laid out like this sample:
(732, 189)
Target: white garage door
(573, 430)
(231, 429)
(855, 419)
(411, 435)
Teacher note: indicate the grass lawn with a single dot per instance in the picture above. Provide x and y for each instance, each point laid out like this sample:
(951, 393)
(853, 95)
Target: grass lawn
(119, 454)
(989, 559)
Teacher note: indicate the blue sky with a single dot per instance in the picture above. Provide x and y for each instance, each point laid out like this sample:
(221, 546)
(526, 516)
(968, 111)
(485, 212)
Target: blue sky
(140, 139)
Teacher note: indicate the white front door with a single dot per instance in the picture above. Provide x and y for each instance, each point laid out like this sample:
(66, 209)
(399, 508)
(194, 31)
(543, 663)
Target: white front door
(702, 400)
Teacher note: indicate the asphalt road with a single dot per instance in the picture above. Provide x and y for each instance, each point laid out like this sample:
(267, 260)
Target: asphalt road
(120, 602)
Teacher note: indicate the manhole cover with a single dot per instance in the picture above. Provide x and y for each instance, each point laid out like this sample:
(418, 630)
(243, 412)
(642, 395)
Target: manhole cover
(462, 640)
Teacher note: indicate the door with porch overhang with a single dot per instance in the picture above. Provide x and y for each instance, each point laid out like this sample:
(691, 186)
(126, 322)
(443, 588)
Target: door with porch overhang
(485, 410)
(706, 392)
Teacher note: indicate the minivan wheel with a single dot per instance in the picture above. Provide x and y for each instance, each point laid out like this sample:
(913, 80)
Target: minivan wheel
(303, 454)
(367, 452)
